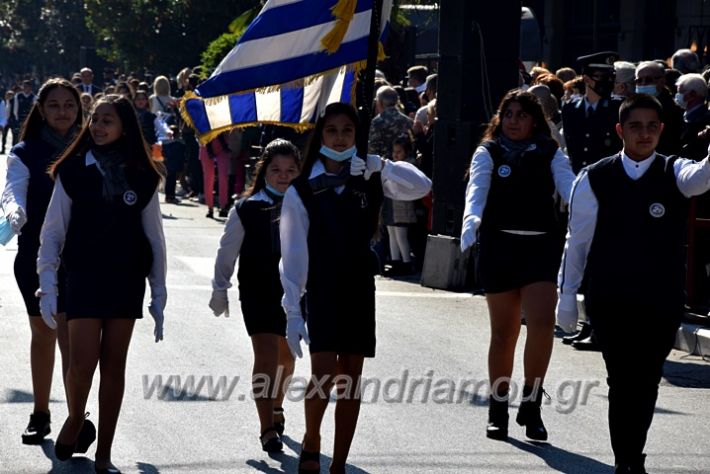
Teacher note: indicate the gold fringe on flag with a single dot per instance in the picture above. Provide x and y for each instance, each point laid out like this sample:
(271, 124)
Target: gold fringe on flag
(343, 11)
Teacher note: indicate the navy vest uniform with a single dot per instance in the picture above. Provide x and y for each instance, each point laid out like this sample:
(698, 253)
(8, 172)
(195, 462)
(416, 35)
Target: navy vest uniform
(340, 291)
(24, 105)
(590, 139)
(260, 289)
(106, 254)
(635, 275)
(520, 198)
(638, 249)
(36, 155)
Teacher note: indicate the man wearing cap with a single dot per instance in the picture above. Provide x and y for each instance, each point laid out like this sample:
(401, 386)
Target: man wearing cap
(588, 127)
(588, 123)
(651, 80)
(416, 77)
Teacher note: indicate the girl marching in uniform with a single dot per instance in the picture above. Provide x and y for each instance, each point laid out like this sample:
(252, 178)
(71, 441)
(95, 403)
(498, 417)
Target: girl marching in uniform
(104, 218)
(510, 196)
(51, 125)
(329, 216)
(252, 234)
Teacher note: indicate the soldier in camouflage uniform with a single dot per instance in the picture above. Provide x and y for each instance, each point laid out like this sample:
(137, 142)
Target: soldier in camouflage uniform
(389, 124)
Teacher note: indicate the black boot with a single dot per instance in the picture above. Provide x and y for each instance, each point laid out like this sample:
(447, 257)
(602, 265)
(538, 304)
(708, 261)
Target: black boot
(529, 414)
(497, 417)
(638, 467)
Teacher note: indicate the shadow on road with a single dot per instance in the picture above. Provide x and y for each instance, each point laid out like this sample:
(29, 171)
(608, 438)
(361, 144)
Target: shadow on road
(561, 460)
(687, 374)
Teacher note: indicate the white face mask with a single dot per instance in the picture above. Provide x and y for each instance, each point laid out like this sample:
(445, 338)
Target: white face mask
(337, 155)
(679, 99)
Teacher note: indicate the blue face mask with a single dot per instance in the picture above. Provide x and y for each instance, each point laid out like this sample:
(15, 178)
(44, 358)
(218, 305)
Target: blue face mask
(649, 89)
(6, 233)
(337, 155)
(274, 191)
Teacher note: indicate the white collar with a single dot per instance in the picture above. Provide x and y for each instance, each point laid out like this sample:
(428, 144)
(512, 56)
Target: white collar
(420, 88)
(587, 104)
(636, 169)
(319, 169)
(90, 159)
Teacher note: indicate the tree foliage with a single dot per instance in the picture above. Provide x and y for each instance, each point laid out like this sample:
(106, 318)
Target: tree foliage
(219, 48)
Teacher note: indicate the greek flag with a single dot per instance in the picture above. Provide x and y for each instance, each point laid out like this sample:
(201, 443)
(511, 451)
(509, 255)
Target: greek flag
(296, 57)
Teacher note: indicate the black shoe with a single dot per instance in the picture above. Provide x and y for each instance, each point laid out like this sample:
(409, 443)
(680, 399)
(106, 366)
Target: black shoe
(280, 426)
(172, 200)
(224, 212)
(308, 456)
(210, 213)
(588, 344)
(271, 445)
(87, 435)
(37, 428)
(529, 414)
(497, 418)
(585, 332)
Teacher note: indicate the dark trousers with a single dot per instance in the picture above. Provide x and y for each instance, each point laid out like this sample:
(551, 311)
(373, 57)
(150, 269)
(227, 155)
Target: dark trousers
(174, 155)
(194, 167)
(5, 131)
(633, 374)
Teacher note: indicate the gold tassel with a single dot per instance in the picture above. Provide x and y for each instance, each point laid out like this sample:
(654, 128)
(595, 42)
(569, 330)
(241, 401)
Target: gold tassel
(343, 11)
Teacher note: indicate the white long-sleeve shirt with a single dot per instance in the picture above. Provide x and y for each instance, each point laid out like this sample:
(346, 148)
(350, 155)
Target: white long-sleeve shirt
(17, 181)
(479, 181)
(400, 180)
(692, 178)
(56, 224)
(230, 245)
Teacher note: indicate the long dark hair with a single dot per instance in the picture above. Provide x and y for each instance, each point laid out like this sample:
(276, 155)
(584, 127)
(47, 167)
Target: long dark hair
(132, 145)
(33, 124)
(275, 147)
(314, 144)
(530, 105)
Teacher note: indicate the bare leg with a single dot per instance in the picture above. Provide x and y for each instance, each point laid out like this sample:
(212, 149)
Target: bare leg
(323, 369)
(347, 408)
(266, 359)
(115, 340)
(84, 351)
(287, 365)
(63, 340)
(539, 304)
(42, 348)
(504, 310)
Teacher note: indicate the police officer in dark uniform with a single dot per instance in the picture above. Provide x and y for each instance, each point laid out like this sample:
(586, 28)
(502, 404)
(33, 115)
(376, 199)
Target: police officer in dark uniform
(589, 130)
(588, 123)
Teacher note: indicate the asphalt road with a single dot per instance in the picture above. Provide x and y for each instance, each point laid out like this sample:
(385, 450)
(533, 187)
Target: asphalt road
(425, 405)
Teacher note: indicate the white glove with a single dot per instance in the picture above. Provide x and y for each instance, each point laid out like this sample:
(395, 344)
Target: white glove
(48, 307)
(157, 307)
(567, 313)
(17, 219)
(219, 303)
(468, 232)
(295, 331)
(357, 166)
(375, 164)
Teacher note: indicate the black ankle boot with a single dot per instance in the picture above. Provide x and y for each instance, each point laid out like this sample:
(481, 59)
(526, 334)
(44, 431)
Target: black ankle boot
(497, 417)
(529, 414)
(638, 467)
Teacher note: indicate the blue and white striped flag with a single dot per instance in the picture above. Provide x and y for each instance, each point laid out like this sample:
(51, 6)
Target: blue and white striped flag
(296, 57)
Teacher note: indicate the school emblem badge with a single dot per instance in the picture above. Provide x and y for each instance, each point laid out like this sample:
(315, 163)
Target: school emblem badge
(130, 197)
(656, 210)
(504, 171)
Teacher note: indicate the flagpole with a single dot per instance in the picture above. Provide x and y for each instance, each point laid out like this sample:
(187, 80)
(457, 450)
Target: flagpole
(368, 79)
